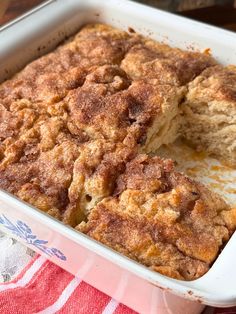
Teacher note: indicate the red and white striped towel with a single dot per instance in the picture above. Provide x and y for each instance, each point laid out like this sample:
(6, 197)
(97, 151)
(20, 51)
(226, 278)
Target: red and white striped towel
(42, 287)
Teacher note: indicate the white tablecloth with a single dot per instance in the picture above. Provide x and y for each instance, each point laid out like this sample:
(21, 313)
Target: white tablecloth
(13, 257)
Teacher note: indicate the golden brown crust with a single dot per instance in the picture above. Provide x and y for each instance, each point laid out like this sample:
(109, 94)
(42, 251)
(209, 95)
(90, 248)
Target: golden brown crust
(39, 83)
(71, 123)
(94, 175)
(162, 219)
(107, 106)
(102, 44)
(39, 164)
(173, 66)
(135, 238)
(216, 83)
(50, 77)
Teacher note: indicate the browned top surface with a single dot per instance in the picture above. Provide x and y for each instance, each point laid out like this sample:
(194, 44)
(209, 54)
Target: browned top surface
(109, 105)
(163, 219)
(71, 120)
(86, 75)
(216, 83)
(172, 66)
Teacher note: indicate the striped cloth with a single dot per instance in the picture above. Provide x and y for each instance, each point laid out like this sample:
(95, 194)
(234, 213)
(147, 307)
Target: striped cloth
(43, 287)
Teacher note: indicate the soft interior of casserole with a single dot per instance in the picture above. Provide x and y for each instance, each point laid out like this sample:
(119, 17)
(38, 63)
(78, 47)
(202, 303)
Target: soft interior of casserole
(209, 113)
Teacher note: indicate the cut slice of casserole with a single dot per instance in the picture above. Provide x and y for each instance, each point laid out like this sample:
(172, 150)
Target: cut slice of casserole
(95, 172)
(209, 113)
(112, 107)
(162, 219)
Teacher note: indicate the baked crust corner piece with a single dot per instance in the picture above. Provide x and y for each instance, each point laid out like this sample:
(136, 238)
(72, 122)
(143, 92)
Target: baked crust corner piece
(162, 219)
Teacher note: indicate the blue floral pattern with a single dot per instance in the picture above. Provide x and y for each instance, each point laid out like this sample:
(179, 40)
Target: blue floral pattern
(23, 231)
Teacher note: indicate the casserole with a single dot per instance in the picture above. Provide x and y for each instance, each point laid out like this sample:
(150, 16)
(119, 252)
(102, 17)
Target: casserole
(115, 274)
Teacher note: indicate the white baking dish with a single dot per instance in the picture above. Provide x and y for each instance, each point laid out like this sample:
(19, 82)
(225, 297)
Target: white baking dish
(127, 281)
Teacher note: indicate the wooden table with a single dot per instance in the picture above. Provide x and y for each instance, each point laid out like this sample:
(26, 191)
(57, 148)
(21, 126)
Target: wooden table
(18, 7)
(223, 16)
